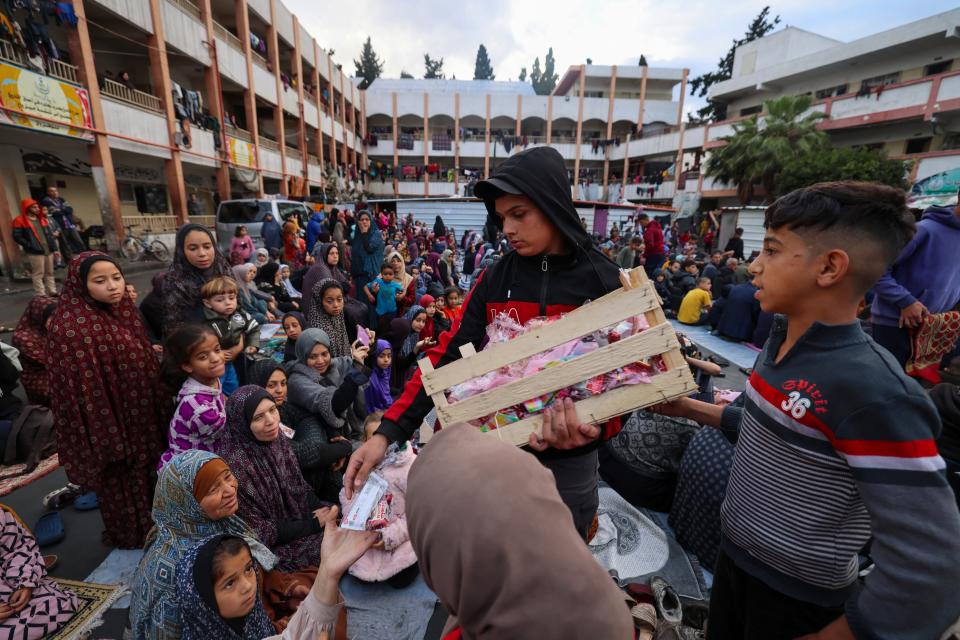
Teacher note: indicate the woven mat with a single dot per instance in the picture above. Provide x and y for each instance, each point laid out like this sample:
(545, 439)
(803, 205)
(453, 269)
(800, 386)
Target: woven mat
(95, 600)
(9, 484)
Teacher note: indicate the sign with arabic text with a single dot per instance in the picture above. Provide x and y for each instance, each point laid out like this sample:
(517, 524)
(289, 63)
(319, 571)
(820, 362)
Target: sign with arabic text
(57, 102)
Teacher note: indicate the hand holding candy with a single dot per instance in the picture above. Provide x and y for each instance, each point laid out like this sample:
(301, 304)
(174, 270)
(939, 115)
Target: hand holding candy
(562, 429)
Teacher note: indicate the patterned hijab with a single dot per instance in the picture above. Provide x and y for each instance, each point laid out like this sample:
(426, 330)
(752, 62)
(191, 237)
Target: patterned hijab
(272, 487)
(334, 326)
(181, 286)
(200, 618)
(180, 524)
(410, 342)
(108, 349)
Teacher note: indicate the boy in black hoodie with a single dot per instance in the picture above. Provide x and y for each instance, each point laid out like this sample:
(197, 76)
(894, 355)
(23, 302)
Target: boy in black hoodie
(553, 268)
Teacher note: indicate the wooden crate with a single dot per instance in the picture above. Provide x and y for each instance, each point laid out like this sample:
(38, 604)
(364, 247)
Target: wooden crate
(637, 297)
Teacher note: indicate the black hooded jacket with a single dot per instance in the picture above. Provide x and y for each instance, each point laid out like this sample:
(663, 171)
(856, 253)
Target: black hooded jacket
(525, 287)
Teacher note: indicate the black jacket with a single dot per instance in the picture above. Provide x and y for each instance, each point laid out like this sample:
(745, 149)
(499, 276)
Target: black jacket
(526, 287)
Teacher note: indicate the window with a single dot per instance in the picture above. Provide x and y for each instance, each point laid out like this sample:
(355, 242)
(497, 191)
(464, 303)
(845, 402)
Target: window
(749, 111)
(951, 141)
(937, 67)
(918, 145)
(829, 92)
(287, 209)
(880, 81)
(125, 190)
(243, 211)
(151, 198)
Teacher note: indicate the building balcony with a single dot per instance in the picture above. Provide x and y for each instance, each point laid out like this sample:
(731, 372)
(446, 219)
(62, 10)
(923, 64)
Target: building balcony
(267, 143)
(264, 82)
(238, 133)
(314, 171)
(291, 101)
(664, 190)
(293, 155)
(184, 30)
(58, 69)
(129, 118)
(270, 160)
(133, 97)
(230, 57)
(202, 150)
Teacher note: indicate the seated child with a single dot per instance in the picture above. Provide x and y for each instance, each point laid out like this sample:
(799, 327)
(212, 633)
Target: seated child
(237, 330)
(393, 552)
(441, 322)
(218, 588)
(662, 286)
(293, 323)
(696, 304)
(428, 331)
(194, 362)
(453, 298)
(377, 393)
(32, 605)
(387, 291)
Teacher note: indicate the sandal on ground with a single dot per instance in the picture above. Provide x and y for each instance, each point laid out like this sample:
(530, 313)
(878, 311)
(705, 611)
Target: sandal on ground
(59, 498)
(667, 601)
(49, 529)
(86, 502)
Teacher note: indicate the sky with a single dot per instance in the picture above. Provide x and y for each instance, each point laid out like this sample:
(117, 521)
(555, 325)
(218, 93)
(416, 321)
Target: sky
(694, 33)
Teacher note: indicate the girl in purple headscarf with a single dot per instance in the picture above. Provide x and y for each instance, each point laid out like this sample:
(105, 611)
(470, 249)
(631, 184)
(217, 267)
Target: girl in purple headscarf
(377, 393)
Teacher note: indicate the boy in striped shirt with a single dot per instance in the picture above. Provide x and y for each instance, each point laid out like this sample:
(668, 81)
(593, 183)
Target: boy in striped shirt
(835, 445)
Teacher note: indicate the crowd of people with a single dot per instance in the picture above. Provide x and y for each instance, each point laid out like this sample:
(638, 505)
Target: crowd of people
(231, 464)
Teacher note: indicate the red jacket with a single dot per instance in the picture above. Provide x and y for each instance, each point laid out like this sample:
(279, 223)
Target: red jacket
(653, 240)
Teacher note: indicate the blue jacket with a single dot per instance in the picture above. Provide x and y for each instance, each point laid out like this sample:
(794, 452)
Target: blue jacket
(927, 270)
(313, 229)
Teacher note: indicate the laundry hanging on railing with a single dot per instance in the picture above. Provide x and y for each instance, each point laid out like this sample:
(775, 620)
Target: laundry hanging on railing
(405, 141)
(441, 142)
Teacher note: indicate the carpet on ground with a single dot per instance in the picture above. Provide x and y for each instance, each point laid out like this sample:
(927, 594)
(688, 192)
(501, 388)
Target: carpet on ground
(376, 610)
(95, 600)
(118, 568)
(11, 480)
(631, 544)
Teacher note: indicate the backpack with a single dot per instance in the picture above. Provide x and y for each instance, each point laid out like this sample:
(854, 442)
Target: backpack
(32, 439)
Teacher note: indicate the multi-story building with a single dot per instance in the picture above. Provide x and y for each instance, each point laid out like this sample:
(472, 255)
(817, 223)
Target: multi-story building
(134, 107)
(431, 137)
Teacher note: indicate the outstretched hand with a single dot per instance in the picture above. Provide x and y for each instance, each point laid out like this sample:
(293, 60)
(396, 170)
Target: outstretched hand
(562, 429)
(369, 455)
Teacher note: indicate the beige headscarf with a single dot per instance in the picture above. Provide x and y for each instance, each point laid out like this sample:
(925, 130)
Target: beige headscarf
(498, 546)
(403, 277)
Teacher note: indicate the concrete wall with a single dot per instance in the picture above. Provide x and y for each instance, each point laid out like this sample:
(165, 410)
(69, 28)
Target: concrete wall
(185, 32)
(134, 11)
(231, 62)
(264, 83)
(137, 123)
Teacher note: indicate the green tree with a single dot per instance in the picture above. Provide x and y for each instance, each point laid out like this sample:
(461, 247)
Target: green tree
(369, 66)
(405, 76)
(757, 153)
(700, 86)
(643, 61)
(523, 74)
(433, 67)
(544, 81)
(826, 164)
(483, 69)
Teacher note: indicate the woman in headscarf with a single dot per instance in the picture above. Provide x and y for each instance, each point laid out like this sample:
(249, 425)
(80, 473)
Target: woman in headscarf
(30, 338)
(275, 500)
(328, 387)
(196, 497)
(433, 261)
(456, 491)
(268, 282)
(439, 229)
(262, 257)
(326, 267)
(327, 312)
(251, 303)
(196, 259)
(406, 281)
(469, 259)
(366, 258)
(447, 270)
(271, 233)
(292, 292)
(294, 247)
(317, 450)
(109, 408)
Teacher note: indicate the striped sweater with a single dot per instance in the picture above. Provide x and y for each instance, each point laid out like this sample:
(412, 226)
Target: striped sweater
(837, 445)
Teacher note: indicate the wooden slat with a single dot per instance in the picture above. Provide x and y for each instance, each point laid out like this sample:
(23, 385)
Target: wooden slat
(653, 341)
(674, 358)
(606, 311)
(439, 398)
(662, 387)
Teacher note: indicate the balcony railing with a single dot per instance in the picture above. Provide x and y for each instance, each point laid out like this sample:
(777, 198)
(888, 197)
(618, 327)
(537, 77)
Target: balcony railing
(230, 39)
(133, 97)
(269, 144)
(293, 154)
(55, 68)
(152, 223)
(238, 133)
(261, 61)
(188, 7)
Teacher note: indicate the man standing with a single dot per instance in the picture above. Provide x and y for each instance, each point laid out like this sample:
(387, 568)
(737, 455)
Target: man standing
(62, 214)
(735, 245)
(925, 279)
(653, 251)
(32, 233)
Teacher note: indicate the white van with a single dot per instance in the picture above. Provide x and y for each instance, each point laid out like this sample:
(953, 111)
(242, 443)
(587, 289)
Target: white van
(250, 212)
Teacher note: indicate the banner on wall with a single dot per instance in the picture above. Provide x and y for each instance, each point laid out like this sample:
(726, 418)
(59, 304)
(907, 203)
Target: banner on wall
(240, 152)
(938, 190)
(46, 97)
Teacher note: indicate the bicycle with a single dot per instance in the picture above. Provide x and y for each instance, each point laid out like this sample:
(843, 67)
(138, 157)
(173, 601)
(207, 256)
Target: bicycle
(135, 247)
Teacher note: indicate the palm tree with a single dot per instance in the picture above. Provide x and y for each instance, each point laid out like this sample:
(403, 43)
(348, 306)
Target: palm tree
(757, 151)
